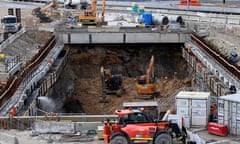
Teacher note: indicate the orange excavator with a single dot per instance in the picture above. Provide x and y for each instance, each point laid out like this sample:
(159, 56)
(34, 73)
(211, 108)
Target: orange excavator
(89, 17)
(146, 86)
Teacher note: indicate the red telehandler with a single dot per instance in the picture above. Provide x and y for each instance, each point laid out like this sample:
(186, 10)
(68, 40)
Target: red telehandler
(134, 126)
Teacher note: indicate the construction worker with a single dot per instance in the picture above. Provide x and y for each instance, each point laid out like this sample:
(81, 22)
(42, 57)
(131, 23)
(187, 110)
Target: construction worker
(108, 127)
(13, 112)
(213, 113)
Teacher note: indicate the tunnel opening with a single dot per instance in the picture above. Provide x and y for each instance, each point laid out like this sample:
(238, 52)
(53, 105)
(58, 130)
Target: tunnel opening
(79, 87)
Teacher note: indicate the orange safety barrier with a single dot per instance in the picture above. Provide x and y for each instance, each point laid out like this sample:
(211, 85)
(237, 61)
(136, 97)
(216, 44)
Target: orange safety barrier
(190, 3)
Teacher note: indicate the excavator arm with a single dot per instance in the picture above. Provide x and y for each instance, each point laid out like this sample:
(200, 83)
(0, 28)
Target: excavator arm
(52, 4)
(150, 71)
(41, 13)
(103, 7)
(146, 87)
(93, 7)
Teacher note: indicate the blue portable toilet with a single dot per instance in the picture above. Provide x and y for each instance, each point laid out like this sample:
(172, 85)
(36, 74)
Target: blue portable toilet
(147, 19)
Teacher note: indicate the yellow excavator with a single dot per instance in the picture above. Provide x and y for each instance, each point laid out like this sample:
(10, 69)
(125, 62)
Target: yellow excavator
(146, 86)
(111, 84)
(90, 17)
(43, 13)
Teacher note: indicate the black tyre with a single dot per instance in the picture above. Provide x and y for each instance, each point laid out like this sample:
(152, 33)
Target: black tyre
(163, 138)
(119, 140)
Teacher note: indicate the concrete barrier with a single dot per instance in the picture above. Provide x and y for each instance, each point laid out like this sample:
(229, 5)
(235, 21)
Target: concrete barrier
(85, 126)
(8, 139)
(65, 127)
(54, 127)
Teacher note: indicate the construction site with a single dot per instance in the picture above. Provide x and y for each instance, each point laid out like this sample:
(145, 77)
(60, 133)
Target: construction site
(67, 67)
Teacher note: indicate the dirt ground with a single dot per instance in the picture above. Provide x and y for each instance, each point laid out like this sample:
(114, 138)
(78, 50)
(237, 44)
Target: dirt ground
(81, 80)
(80, 85)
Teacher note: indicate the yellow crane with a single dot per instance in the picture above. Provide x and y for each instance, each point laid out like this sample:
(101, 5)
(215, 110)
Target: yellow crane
(89, 17)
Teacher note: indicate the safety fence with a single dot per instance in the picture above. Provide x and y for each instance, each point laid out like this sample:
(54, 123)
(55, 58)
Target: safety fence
(25, 77)
(15, 123)
(168, 102)
(27, 122)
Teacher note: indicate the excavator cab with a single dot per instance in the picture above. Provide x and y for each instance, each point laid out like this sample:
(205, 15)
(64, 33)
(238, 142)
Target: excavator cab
(111, 83)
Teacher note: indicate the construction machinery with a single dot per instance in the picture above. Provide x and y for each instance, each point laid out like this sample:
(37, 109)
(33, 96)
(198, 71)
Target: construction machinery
(11, 23)
(111, 83)
(44, 13)
(91, 17)
(134, 126)
(146, 86)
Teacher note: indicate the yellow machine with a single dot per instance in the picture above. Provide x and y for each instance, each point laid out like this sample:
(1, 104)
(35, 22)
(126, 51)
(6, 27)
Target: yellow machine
(146, 86)
(43, 13)
(111, 83)
(89, 17)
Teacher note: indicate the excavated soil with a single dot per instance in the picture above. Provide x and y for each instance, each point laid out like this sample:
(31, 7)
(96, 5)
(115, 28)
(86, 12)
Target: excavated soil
(79, 88)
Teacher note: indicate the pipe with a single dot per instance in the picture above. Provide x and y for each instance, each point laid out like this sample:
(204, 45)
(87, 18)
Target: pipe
(160, 20)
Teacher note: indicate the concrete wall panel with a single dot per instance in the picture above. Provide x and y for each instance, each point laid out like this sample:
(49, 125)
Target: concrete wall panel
(107, 38)
(173, 38)
(78, 38)
(143, 37)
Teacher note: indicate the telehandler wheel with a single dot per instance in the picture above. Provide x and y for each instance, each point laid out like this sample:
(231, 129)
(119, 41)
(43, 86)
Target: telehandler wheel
(163, 138)
(119, 140)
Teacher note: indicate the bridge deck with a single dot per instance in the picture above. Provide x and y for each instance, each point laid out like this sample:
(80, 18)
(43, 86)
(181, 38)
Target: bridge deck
(118, 35)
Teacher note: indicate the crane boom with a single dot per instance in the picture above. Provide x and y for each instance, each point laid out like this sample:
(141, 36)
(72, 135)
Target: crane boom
(93, 7)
